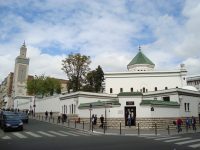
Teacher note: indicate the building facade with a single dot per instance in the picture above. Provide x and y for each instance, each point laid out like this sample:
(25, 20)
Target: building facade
(194, 81)
(141, 77)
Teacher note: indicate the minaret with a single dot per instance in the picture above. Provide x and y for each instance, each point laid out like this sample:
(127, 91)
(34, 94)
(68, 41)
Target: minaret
(20, 73)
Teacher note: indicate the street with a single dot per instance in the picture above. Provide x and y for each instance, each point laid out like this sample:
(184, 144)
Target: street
(42, 135)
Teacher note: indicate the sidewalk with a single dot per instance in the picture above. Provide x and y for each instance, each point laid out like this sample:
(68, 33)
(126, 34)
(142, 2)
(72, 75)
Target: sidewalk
(133, 131)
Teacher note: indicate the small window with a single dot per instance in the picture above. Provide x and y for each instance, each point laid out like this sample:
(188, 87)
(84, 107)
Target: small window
(121, 90)
(111, 90)
(143, 89)
(166, 99)
(156, 88)
(146, 90)
(131, 89)
(177, 87)
(166, 88)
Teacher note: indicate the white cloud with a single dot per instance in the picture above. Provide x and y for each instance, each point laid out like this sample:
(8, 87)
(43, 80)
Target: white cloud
(108, 31)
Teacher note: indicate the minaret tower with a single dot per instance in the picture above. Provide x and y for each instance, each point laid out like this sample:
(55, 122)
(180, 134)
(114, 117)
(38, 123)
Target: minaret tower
(20, 73)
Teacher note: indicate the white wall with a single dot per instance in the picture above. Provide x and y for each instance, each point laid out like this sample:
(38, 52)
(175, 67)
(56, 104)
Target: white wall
(138, 81)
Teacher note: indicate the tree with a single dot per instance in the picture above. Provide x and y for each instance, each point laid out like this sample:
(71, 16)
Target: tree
(43, 86)
(76, 66)
(99, 78)
(94, 80)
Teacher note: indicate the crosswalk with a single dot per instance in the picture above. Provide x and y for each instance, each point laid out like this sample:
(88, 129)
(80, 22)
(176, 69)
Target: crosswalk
(50, 134)
(177, 140)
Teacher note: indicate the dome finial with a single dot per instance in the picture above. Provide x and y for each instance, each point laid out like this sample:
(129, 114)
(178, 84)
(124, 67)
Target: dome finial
(139, 48)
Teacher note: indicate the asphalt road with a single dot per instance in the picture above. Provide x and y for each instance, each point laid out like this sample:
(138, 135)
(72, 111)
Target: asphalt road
(44, 136)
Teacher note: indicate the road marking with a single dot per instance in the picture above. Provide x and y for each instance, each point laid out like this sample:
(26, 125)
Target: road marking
(6, 138)
(79, 133)
(46, 134)
(33, 134)
(186, 142)
(155, 137)
(19, 135)
(194, 145)
(68, 133)
(180, 139)
(166, 138)
(60, 134)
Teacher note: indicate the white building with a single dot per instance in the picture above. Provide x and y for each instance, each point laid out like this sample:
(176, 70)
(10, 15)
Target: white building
(141, 77)
(146, 95)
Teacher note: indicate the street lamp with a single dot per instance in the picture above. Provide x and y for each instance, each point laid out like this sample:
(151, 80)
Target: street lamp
(90, 109)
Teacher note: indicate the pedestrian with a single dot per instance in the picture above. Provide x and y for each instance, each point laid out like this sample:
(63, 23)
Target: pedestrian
(51, 114)
(193, 123)
(179, 123)
(129, 120)
(59, 117)
(46, 115)
(187, 123)
(101, 120)
(95, 119)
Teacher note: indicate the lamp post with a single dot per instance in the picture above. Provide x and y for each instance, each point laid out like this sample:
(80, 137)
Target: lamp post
(90, 109)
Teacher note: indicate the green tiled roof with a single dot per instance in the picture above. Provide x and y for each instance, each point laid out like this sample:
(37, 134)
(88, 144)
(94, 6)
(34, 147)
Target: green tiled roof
(140, 58)
(130, 94)
(99, 104)
(160, 103)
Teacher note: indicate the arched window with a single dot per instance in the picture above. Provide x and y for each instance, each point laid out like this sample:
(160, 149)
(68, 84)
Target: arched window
(166, 88)
(121, 90)
(143, 89)
(131, 89)
(156, 88)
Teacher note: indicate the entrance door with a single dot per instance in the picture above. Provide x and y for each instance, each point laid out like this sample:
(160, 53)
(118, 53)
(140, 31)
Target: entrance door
(130, 112)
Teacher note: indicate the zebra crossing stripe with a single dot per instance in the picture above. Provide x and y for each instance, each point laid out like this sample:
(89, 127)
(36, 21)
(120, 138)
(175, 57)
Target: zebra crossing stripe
(194, 145)
(166, 138)
(79, 133)
(56, 133)
(186, 142)
(68, 133)
(180, 139)
(6, 138)
(19, 135)
(155, 137)
(33, 134)
(46, 134)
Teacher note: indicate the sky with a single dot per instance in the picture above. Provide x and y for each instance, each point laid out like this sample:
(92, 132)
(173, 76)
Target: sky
(107, 31)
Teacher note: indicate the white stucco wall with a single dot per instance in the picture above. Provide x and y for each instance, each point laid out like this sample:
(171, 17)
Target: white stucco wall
(149, 80)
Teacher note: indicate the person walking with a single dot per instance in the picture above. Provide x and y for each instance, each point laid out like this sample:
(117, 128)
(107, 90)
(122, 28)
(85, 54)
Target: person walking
(187, 123)
(51, 114)
(46, 115)
(101, 120)
(179, 123)
(194, 123)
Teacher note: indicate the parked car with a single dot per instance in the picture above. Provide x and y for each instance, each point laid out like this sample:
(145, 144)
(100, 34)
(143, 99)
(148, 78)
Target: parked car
(23, 116)
(10, 121)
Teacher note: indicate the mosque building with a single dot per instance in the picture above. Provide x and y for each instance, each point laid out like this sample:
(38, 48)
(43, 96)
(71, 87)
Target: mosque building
(142, 93)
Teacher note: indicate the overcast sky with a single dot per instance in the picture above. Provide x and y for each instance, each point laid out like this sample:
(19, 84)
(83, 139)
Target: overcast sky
(109, 31)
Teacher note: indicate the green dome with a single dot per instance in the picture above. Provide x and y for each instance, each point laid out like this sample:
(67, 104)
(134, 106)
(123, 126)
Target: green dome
(140, 58)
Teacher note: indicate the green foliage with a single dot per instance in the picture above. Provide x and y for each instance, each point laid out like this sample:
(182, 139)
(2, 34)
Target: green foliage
(94, 80)
(43, 86)
(76, 66)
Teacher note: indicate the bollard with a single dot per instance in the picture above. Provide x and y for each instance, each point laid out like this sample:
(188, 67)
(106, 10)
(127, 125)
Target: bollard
(68, 123)
(104, 128)
(39, 117)
(138, 129)
(168, 130)
(92, 127)
(53, 119)
(42, 118)
(155, 129)
(120, 128)
(49, 119)
(75, 123)
(83, 125)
